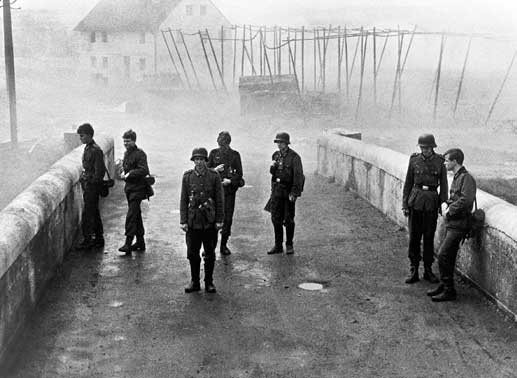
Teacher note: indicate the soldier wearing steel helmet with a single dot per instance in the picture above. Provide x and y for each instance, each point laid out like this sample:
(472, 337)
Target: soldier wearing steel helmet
(287, 181)
(201, 216)
(425, 189)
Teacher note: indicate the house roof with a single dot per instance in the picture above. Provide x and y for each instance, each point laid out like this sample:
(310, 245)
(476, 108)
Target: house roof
(127, 15)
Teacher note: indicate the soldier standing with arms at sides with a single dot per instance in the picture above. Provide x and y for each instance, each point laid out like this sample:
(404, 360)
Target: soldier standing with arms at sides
(135, 170)
(201, 216)
(457, 215)
(421, 204)
(91, 183)
(287, 182)
(228, 163)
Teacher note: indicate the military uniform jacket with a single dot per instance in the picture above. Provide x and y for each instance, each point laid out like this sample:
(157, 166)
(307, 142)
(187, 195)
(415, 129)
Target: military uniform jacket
(202, 200)
(287, 174)
(136, 168)
(93, 164)
(461, 200)
(232, 166)
(424, 176)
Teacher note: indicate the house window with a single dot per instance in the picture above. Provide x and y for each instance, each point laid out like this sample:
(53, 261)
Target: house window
(93, 61)
(142, 64)
(202, 10)
(189, 9)
(104, 37)
(142, 37)
(92, 37)
(104, 62)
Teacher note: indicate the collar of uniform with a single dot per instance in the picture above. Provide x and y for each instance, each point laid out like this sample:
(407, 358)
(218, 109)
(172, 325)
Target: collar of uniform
(460, 171)
(90, 143)
(200, 173)
(132, 148)
(284, 154)
(428, 158)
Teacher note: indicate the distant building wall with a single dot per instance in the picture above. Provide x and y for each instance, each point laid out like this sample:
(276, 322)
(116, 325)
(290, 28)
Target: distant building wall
(377, 174)
(37, 229)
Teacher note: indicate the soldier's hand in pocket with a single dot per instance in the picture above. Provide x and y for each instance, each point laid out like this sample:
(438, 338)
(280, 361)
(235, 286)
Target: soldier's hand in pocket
(292, 198)
(218, 226)
(406, 212)
(184, 227)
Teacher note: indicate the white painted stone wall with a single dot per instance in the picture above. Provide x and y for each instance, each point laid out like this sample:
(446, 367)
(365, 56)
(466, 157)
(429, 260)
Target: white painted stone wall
(377, 174)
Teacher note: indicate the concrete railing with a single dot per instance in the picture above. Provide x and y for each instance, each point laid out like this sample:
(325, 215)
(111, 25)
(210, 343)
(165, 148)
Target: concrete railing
(377, 174)
(36, 230)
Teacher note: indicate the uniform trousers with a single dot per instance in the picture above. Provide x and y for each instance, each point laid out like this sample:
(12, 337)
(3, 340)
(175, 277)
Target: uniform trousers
(282, 214)
(194, 239)
(91, 223)
(421, 224)
(134, 222)
(447, 256)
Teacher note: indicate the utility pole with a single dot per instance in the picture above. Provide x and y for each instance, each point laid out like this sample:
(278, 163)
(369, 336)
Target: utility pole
(9, 70)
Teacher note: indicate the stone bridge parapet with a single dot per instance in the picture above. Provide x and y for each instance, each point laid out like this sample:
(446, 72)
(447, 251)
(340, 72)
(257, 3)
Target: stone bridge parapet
(36, 230)
(377, 174)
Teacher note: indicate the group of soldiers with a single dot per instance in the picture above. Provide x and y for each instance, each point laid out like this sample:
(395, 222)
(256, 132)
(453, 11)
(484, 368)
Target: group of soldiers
(425, 196)
(208, 194)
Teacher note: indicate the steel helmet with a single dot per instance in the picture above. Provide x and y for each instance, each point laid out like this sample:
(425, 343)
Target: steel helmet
(199, 152)
(282, 137)
(426, 140)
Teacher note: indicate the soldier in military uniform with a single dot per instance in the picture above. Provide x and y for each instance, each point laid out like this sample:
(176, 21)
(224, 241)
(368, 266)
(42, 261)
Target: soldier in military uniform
(134, 171)
(91, 183)
(201, 216)
(227, 162)
(425, 189)
(287, 181)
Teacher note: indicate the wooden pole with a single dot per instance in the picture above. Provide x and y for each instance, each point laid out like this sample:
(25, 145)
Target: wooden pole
(339, 58)
(355, 56)
(268, 65)
(280, 50)
(397, 71)
(500, 89)
(179, 58)
(294, 68)
(325, 47)
(346, 65)
(460, 85)
(364, 44)
(243, 47)
(207, 61)
(222, 49)
(216, 62)
(320, 60)
(190, 59)
(10, 72)
(234, 52)
(314, 40)
(289, 44)
(251, 49)
(438, 74)
(374, 36)
(253, 71)
(275, 52)
(172, 59)
(303, 59)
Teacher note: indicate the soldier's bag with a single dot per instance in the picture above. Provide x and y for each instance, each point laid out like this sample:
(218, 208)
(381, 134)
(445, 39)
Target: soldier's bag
(106, 185)
(476, 221)
(149, 181)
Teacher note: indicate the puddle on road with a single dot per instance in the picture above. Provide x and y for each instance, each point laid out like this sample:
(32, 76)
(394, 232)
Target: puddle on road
(116, 304)
(311, 286)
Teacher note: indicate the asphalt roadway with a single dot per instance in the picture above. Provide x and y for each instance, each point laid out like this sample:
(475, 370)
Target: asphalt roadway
(107, 316)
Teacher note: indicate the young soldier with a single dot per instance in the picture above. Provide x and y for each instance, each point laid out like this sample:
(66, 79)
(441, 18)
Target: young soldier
(457, 214)
(228, 163)
(91, 183)
(201, 216)
(287, 181)
(421, 203)
(134, 171)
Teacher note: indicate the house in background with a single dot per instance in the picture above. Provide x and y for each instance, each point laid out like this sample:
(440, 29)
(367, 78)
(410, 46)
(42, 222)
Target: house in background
(121, 40)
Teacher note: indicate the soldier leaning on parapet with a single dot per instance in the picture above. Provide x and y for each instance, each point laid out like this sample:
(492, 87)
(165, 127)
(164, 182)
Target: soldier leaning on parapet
(91, 183)
(227, 162)
(457, 215)
(287, 182)
(421, 204)
(201, 216)
(135, 169)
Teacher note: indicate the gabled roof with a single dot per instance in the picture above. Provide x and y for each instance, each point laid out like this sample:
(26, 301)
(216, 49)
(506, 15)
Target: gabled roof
(127, 15)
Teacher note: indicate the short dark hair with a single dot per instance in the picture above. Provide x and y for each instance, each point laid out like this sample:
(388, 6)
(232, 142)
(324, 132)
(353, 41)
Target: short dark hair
(85, 128)
(455, 154)
(130, 134)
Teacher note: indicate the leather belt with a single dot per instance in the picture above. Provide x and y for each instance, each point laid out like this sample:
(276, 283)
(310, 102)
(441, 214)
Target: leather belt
(426, 187)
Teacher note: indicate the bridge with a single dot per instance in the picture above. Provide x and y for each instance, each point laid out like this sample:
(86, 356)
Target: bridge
(67, 313)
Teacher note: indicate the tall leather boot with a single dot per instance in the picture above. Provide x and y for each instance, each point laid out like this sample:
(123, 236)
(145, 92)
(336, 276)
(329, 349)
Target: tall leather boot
(289, 235)
(413, 275)
(209, 273)
(429, 275)
(126, 248)
(279, 239)
(194, 274)
(224, 249)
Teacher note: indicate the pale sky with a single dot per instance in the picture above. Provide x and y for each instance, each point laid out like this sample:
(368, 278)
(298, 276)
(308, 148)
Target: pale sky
(497, 16)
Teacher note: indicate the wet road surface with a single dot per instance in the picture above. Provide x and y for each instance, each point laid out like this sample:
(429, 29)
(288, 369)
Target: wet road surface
(107, 316)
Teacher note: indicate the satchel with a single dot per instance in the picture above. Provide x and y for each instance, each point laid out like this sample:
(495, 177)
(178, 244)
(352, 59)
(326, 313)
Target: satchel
(242, 182)
(106, 184)
(149, 191)
(476, 221)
